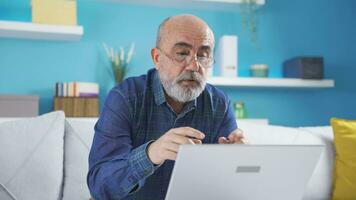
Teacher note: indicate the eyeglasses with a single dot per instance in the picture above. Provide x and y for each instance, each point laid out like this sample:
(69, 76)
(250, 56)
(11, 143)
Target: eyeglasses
(184, 60)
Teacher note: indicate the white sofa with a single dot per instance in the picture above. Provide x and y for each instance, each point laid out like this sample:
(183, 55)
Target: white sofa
(45, 158)
(320, 183)
(48, 159)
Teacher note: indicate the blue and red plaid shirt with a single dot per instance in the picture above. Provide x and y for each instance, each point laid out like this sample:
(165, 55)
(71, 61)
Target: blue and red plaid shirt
(136, 113)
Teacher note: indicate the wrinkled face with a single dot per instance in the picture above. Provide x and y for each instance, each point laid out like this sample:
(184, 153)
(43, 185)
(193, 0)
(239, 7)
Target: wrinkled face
(184, 58)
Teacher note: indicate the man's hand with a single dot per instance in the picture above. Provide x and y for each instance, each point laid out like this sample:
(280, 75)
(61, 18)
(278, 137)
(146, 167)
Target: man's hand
(235, 137)
(166, 147)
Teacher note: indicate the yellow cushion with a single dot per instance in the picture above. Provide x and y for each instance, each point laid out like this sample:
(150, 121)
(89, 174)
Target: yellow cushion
(345, 161)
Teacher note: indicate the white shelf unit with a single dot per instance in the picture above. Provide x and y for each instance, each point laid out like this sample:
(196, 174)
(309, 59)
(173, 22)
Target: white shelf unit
(255, 121)
(28, 30)
(271, 82)
(217, 5)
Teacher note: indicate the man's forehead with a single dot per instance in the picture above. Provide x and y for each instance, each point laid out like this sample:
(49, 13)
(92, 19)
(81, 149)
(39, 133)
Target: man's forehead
(186, 39)
(191, 33)
(199, 45)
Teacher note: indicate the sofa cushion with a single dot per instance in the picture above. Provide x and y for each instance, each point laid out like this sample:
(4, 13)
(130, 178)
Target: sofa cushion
(345, 162)
(268, 134)
(31, 157)
(77, 142)
(320, 184)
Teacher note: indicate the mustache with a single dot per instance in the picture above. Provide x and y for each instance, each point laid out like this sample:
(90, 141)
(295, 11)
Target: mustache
(194, 76)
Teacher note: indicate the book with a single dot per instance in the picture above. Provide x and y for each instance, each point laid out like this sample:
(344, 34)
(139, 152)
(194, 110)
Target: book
(56, 93)
(59, 89)
(86, 89)
(65, 89)
(76, 89)
(70, 89)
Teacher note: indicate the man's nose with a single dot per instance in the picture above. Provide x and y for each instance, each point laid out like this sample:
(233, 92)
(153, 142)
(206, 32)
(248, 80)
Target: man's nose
(193, 65)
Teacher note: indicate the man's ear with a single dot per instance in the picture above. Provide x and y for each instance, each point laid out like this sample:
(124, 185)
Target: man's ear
(154, 56)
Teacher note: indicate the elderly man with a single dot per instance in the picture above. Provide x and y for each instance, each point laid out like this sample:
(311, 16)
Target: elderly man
(146, 118)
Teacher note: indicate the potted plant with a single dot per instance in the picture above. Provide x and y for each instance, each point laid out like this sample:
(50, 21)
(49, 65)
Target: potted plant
(249, 18)
(119, 62)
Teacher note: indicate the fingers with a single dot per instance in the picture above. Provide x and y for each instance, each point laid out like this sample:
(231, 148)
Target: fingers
(185, 135)
(171, 149)
(178, 139)
(197, 141)
(223, 140)
(190, 132)
(244, 141)
(235, 137)
(160, 150)
(174, 147)
(169, 155)
(167, 146)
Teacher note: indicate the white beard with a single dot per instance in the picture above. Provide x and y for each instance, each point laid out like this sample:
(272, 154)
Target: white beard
(180, 93)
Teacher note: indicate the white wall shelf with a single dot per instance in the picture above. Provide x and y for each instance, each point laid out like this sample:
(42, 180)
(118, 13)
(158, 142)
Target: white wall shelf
(221, 5)
(255, 121)
(270, 82)
(27, 30)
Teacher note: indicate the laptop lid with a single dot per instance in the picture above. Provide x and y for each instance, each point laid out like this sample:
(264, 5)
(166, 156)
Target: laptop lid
(244, 172)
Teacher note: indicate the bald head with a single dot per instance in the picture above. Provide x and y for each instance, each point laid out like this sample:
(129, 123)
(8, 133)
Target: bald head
(191, 24)
(183, 56)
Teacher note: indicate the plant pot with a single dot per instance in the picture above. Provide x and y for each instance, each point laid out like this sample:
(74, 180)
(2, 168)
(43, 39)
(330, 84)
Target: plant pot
(119, 74)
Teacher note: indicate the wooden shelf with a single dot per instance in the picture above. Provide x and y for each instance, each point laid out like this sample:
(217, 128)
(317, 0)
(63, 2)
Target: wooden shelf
(218, 5)
(270, 82)
(27, 30)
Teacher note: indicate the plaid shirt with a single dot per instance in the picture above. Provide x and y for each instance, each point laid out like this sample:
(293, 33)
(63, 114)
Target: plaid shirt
(136, 113)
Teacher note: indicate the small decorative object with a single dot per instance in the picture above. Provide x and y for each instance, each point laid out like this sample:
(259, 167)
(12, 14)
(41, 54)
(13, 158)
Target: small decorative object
(54, 12)
(239, 108)
(305, 67)
(259, 70)
(19, 105)
(249, 18)
(118, 61)
(227, 56)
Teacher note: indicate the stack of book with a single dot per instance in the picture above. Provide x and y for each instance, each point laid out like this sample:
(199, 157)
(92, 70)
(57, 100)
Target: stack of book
(77, 89)
(77, 99)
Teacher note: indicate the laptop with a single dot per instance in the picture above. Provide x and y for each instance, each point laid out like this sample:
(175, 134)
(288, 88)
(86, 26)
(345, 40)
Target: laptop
(242, 172)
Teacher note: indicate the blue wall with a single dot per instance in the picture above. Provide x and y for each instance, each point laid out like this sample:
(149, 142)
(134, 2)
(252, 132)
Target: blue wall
(286, 29)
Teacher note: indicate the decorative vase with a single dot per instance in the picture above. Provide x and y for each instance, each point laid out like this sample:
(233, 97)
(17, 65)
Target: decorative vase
(119, 75)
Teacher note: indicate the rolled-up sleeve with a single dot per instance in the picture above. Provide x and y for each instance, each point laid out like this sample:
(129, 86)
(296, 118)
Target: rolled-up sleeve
(116, 170)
